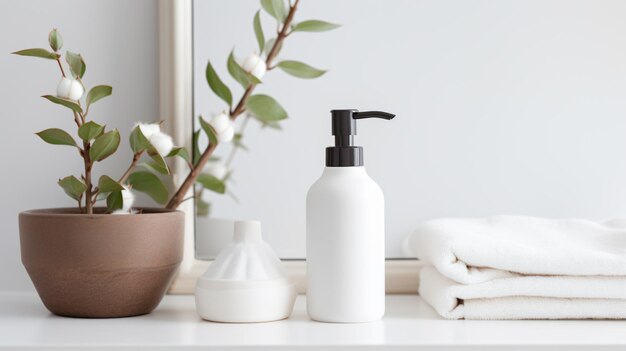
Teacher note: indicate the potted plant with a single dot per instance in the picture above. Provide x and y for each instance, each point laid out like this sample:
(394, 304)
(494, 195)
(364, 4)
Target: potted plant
(87, 261)
(104, 257)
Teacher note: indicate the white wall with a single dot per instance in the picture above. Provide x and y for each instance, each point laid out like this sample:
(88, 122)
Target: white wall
(119, 41)
(503, 107)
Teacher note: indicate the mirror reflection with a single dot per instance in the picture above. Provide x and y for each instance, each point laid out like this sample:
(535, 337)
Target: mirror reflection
(502, 107)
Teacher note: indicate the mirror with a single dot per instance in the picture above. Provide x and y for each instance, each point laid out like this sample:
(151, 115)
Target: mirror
(506, 107)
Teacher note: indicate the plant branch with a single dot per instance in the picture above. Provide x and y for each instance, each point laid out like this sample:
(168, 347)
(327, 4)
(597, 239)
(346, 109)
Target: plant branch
(188, 198)
(77, 119)
(130, 168)
(82, 116)
(242, 103)
(191, 178)
(231, 156)
(76, 114)
(88, 166)
(239, 109)
(60, 66)
(271, 55)
(282, 34)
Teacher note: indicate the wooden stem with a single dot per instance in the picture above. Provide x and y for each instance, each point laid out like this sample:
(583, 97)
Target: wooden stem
(179, 196)
(130, 168)
(88, 166)
(61, 66)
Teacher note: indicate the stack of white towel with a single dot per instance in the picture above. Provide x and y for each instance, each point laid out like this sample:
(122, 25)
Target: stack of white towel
(516, 267)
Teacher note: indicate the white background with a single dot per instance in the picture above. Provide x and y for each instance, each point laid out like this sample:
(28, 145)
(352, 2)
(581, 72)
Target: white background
(504, 107)
(119, 42)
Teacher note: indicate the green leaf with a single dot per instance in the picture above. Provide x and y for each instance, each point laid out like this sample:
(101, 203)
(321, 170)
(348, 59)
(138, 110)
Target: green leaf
(107, 184)
(233, 196)
(272, 124)
(55, 40)
(210, 182)
(76, 63)
(73, 187)
(150, 184)
(115, 201)
(275, 8)
(202, 207)
(154, 167)
(265, 108)
(90, 131)
(228, 175)
(237, 141)
(270, 44)
(219, 88)
(42, 53)
(56, 136)
(158, 163)
(138, 141)
(239, 74)
(314, 26)
(208, 129)
(258, 30)
(64, 102)
(180, 152)
(300, 69)
(104, 145)
(98, 92)
(101, 196)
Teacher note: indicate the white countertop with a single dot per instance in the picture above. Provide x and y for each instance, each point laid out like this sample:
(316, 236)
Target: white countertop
(409, 324)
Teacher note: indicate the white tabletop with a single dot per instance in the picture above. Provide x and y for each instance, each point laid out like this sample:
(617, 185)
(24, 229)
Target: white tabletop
(409, 324)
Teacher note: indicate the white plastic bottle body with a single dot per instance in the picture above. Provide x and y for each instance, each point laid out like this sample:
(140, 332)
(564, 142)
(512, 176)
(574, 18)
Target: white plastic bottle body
(345, 238)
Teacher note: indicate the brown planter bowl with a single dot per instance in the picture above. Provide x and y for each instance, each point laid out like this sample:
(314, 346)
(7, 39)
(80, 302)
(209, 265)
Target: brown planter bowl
(101, 265)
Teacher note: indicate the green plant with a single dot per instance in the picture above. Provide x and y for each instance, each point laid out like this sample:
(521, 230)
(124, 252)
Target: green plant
(96, 143)
(260, 107)
(150, 146)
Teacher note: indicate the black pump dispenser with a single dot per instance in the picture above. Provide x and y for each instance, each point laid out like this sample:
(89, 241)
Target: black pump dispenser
(344, 153)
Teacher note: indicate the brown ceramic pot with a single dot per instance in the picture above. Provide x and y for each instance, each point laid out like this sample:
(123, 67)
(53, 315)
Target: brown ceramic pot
(101, 265)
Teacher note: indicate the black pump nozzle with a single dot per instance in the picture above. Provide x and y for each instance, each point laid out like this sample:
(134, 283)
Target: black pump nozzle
(344, 153)
(373, 114)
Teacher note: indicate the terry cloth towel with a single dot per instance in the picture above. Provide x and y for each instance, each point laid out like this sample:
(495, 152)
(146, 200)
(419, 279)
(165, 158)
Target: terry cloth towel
(526, 297)
(523, 267)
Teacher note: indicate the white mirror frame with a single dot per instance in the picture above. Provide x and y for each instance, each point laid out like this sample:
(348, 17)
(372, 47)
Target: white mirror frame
(176, 109)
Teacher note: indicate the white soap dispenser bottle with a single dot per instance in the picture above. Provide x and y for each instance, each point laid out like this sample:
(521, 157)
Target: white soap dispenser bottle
(345, 232)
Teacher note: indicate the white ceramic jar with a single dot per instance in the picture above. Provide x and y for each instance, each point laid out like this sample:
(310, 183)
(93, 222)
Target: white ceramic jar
(246, 282)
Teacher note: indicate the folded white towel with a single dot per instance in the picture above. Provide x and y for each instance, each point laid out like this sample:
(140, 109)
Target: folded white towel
(475, 250)
(526, 297)
(517, 267)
